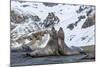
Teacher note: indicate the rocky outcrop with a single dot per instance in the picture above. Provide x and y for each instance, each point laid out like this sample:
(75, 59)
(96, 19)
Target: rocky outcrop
(89, 21)
(73, 25)
(51, 20)
(50, 4)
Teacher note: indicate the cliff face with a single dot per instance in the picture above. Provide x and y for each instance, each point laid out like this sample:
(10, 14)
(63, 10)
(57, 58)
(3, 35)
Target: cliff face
(28, 18)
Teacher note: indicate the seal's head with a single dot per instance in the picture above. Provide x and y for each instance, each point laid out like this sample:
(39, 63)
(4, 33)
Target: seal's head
(61, 33)
(53, 33)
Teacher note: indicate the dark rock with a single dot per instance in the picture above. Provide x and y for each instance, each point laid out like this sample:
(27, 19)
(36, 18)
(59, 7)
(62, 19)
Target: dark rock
(79, 19)
(71, 37)
(89, 21)
(89, 12)
(25, 5)
(51, 20)
(83, 38)
(81, 8)
(35, 18)
(71, 26)
(50, 4)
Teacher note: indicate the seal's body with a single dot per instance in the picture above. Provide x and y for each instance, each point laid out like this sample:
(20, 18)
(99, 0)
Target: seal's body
(50, 49)
(63, 48)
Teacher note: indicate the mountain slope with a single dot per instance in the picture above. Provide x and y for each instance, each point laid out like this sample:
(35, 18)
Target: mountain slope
(31, 17)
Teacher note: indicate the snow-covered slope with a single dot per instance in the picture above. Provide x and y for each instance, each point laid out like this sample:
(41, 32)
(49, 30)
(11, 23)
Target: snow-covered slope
(31, 16)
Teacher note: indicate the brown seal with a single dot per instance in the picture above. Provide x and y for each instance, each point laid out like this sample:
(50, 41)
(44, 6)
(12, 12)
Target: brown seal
(63, 48)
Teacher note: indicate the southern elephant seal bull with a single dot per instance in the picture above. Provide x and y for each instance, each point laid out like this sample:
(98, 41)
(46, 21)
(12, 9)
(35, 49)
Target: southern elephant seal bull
(63, 48)
(50, 49)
